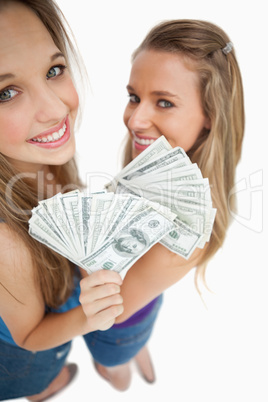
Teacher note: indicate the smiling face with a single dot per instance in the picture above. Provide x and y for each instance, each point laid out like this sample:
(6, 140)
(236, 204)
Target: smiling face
(38, 101)
(164, 100)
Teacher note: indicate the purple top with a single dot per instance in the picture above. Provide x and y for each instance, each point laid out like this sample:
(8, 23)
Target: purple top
(138, 316)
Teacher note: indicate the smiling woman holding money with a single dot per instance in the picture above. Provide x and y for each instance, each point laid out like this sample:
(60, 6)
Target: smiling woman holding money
(185, 84)
(40, 311)
(195, 101)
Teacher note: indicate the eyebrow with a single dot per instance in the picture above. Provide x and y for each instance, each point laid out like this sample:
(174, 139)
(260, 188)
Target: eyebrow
(4, 77)
(8, 76)
(165, 93)
(157, 93)
(56, 55)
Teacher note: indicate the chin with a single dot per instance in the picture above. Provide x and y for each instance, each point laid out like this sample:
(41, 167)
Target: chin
(63, 158)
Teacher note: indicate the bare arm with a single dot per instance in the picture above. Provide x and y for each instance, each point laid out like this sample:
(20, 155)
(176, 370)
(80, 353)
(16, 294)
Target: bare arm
(153, 273)
(22, 307)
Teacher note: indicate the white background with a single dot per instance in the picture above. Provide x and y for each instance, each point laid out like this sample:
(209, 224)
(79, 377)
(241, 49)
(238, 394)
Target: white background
(218, 353)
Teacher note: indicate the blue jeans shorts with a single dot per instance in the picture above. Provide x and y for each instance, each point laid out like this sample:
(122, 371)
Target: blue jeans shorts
(24, 373)
(119, 345)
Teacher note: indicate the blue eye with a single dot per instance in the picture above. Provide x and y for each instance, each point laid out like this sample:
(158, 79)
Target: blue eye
(55, 71)
(165, 104)
(7, 94)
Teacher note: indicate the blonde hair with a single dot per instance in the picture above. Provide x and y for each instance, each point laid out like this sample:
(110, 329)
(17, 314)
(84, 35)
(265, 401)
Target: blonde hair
(19, 193)
(218, 150)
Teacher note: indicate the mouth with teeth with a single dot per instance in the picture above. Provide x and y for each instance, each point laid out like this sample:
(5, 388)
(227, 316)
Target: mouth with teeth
(142, 143)
(53, 138)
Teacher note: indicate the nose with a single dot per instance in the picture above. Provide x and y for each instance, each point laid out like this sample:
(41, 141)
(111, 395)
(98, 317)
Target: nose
(138, 119)
(49, 107)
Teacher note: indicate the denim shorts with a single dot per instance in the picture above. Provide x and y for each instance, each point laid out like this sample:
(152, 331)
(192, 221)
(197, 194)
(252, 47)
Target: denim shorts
(24, 373)
(119, 345)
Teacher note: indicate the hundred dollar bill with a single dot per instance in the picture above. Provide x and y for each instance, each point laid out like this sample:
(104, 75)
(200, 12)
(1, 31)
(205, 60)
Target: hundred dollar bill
(182, 240)
(197, 217)
(121, 251)
(133, 206)
(86, 201)
(196, 190)
(73, 208)
(175, 156)
(99, 208)
(171, 176)
(193, 216)
(116, 206)
(125, 213)
(87, 204)
(121, 189)
(168, 184)
(45, 220)
(43, 233)
(159, 147)
(55, 217)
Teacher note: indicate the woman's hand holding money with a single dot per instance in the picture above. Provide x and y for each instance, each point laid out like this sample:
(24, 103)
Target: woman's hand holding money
(101, 300)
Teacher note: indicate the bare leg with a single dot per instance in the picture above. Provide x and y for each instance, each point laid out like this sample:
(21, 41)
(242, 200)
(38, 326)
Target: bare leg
(60, 382)
(120, 376)
(145, 366)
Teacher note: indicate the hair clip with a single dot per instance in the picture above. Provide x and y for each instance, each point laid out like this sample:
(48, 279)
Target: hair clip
(228, 48)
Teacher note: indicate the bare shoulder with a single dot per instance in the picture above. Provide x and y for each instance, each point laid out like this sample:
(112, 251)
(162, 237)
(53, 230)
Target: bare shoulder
(20, 298)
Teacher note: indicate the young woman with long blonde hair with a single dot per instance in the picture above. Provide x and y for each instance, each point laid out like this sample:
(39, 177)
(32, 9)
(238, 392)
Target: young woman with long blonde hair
(185, 84)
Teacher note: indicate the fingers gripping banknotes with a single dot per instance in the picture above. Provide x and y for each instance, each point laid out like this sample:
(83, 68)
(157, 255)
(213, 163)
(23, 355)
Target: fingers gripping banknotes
(167, 176)
(100, 231)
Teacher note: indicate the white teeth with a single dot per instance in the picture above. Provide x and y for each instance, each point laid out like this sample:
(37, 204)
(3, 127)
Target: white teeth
(52, 137)
(146, 142)
(143, 141)
(55, 136)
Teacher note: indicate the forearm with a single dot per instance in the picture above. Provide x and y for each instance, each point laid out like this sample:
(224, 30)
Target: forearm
(56, 329)
(150, 276)
(101, 303)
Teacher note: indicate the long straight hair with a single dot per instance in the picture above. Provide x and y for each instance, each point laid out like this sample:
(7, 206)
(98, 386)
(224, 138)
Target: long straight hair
(20, 193)
(218, 150)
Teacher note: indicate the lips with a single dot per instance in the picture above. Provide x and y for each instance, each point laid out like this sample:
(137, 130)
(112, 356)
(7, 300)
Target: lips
(54, 137)
(141, 143)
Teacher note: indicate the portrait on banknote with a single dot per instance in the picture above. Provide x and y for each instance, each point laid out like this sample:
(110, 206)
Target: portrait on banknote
(130, 242)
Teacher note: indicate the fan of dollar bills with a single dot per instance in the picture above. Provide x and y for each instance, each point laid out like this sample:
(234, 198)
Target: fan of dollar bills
(159, 197)
(102, 230)
(167, 176)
